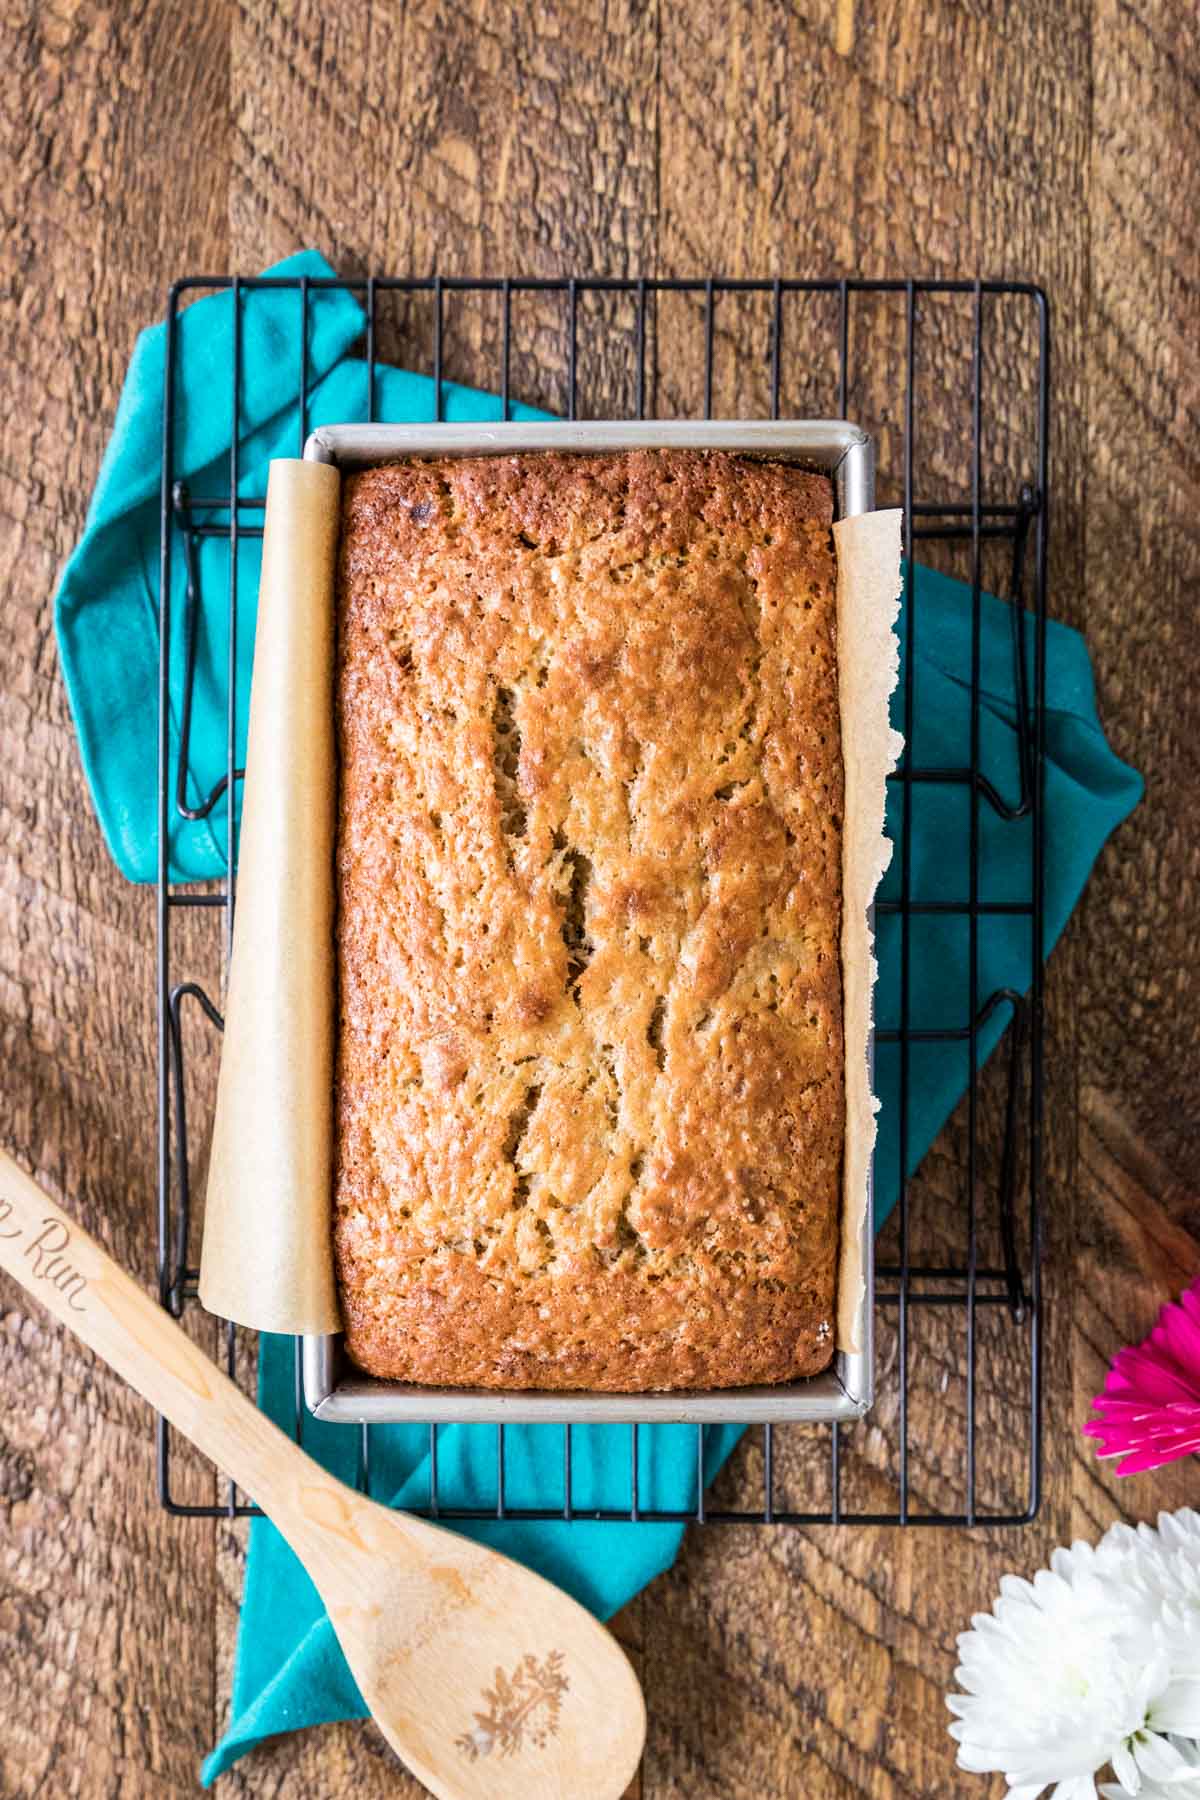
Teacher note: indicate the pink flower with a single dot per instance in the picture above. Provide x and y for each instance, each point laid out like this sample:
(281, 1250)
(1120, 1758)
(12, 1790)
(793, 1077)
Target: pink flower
(1149, 1412)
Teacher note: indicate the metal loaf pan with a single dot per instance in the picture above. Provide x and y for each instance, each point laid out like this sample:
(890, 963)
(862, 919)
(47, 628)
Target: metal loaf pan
(333, 1388)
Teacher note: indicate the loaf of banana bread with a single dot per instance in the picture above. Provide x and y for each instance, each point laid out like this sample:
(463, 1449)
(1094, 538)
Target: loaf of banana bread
(590, 1103)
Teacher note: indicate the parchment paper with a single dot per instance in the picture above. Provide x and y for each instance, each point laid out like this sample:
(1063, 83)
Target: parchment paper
(268, 1251)
(868, 602)
(267, 1259)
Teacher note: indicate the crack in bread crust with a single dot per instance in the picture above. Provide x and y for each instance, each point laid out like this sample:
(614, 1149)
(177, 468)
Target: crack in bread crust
(590, 1098)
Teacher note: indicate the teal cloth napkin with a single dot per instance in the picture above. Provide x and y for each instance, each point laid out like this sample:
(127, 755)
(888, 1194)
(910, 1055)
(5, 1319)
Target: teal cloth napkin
(289, 1671)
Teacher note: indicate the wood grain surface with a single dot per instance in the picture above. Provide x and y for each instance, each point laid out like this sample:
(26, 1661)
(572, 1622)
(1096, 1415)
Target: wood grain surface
(1055, 142)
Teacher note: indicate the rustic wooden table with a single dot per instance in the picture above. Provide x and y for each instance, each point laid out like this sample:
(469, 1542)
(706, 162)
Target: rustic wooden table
(1055, 141)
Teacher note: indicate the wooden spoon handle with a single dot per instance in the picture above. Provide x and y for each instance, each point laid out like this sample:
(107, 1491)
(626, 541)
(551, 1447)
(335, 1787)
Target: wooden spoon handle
(60, 1265)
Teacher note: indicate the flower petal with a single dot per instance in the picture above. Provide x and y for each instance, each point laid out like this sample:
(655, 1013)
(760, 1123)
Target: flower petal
(1076, 1787)
(1178, 1709)
(1157, 1758)
(1126, 1770)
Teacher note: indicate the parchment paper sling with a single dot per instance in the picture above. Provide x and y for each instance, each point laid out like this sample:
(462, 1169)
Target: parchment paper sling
(267, 1259)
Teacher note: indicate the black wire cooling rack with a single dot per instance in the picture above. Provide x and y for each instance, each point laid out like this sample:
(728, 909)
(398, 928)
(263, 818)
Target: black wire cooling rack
(952, 378)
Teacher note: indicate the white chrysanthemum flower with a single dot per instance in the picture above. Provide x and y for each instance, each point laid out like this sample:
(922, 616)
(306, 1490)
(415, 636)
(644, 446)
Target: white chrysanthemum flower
(1160, 1572)
(1095, 1662)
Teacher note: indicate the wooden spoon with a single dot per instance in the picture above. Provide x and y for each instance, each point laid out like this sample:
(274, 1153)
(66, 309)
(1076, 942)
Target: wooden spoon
(486, 1679)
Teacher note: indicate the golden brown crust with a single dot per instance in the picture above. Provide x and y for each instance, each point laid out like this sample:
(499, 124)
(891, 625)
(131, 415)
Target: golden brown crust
(590, 1078)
